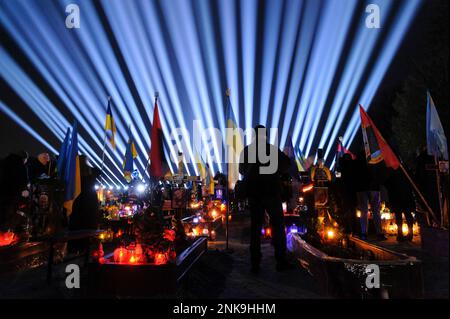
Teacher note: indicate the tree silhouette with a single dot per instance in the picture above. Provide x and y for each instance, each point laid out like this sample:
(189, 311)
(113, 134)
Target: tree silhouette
(428, 71)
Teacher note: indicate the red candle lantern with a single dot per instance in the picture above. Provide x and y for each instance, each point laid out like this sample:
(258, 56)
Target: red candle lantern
(120, 255)
(6, 238)
(133, 259)
(169, 234)
(98, 253)
(139, 253)
(160, 259)
(131, 253)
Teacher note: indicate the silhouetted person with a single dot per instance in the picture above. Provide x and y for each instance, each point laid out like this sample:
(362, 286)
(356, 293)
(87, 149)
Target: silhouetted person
(348, 193)
(368, 192)
(40, 166)
(401, 201)
(85, 210)
(263, 185)
(13, 188)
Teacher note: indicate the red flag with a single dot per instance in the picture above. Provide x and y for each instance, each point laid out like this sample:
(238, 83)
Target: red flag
(341, 150)
(156, 151)
(376, 147)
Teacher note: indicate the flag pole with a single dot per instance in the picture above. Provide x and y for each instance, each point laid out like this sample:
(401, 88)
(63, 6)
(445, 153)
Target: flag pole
(104, 146)
(438, 184)
(49, 167)
(367, 149)
(424, 201)
(227, 214)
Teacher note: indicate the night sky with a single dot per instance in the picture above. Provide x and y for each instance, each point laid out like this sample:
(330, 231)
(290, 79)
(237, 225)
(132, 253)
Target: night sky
(13, 137)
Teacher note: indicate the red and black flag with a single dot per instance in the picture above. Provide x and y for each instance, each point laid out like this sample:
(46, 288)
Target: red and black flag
(375, 146)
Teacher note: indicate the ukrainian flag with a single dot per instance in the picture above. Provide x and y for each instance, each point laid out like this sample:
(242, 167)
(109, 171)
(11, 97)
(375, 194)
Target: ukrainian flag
(72, 176)
(300, 160)
(130, 154)
(62, 156)
(210, 180)
(295, 165)
(110, 126)
(200, 165)
(233, 141)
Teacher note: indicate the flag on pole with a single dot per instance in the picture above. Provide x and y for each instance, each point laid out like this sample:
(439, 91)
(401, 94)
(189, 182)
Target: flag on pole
(200, 165)
(341, 150)
(62, 156)
(110, 125)
(375, 146)
(156, 169)
(72, 177)
(130, 154)
(300, 160)
(210, 180)
(234, 144)
(436, 139)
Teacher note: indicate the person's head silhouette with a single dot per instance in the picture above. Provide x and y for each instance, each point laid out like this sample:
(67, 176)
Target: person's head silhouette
(260, 132)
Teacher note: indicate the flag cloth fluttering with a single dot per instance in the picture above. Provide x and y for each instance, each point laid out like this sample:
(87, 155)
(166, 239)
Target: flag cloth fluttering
(130, 154)
(341, 150)
(200, 165)
(436, 139)
(209, 180)
(110, 125)
(62, 156)
(71, 172)
(157, 167)
(375, 146)
(300, 160)
(234, 144)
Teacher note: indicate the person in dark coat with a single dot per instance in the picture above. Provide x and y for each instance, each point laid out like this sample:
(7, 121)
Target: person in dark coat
(401, 202)
(40, 166)
(85, 210)
(347, 183)
(13, 189)
(367, 186)
(263, 184)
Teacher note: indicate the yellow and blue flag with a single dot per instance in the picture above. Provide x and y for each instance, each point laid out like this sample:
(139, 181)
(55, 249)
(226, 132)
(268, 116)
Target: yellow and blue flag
(300, 160)
(209, 180)
(72, 176)
(234, 144)
(62, 156)
(110, 125)
(200, 165)
(130, 154)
